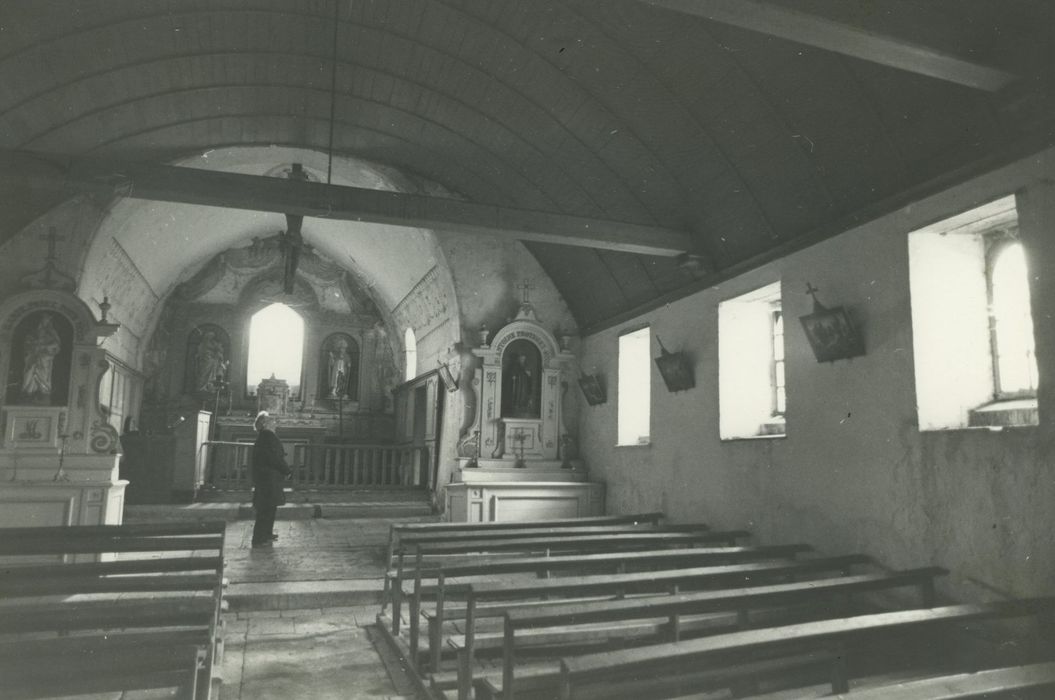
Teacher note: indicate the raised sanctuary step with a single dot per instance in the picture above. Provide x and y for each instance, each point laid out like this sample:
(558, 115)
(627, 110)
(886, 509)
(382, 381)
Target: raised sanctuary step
(216, 504)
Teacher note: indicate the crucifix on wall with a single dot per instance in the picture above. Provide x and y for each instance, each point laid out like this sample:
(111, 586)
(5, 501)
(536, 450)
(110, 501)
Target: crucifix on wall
(292, 241)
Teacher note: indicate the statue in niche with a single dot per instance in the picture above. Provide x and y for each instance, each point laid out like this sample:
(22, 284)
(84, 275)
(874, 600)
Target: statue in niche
(209, 361)
(40, 347)
(340, 363)
(521, 385)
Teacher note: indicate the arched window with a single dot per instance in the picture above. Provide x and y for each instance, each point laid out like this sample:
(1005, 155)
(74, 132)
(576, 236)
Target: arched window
(1014, 361)
(410, 351)
(276, 347)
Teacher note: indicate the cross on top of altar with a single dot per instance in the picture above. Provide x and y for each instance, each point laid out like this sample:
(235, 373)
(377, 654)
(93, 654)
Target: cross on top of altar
(52, 237)
(526, 309)
(525, 288)
(49, 276)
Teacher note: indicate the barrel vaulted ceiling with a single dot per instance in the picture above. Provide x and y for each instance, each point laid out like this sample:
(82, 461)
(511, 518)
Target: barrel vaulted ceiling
(750, 138)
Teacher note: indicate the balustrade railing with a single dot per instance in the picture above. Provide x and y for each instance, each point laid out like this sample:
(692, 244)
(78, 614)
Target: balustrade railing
(228, 465)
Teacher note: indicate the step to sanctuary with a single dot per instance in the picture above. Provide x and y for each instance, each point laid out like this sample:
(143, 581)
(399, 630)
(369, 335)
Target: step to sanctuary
(303, 595)
(300, 505)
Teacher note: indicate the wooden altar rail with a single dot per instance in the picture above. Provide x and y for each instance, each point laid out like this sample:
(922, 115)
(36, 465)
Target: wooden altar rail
(227, 465)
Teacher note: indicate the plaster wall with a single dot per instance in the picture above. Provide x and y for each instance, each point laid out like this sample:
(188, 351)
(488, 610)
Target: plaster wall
(854, 472)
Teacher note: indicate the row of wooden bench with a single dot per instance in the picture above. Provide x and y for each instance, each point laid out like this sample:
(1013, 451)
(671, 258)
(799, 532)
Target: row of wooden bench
(111, 608)
(667, 598)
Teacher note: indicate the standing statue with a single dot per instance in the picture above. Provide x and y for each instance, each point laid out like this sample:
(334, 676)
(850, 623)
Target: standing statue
(518, 392)
(208, 362)
(41, 347)
(340, 364)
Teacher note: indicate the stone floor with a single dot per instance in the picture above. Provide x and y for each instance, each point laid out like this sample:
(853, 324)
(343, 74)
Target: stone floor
(308, 652)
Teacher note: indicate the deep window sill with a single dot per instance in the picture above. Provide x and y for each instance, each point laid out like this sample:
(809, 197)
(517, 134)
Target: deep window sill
(774, 428)
(1012, 413)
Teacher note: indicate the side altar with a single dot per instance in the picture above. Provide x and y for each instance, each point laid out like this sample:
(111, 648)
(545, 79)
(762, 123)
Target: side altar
(58, 451)
(517, 457)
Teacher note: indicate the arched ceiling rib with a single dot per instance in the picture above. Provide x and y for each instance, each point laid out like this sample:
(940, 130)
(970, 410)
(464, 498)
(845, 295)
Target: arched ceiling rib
(611, 109)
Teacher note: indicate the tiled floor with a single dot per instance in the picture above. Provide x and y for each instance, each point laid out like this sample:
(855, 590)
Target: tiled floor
(312, 653)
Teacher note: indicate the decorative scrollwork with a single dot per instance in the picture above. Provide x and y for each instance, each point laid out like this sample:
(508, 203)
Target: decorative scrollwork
(103, 439)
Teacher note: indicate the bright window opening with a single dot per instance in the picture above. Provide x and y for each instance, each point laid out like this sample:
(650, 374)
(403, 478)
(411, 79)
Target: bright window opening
(1012, 324)
(276, 347)
(971, 321)
(780, 396)
(410, 352)
(635, 387)
(751, 368)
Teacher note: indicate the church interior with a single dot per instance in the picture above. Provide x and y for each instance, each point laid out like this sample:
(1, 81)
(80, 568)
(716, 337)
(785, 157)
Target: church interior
(658, 277)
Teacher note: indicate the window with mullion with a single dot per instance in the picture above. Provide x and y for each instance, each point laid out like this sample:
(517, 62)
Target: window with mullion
(777, 366)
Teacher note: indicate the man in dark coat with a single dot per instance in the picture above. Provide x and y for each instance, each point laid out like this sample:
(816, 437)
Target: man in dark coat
(269, 473)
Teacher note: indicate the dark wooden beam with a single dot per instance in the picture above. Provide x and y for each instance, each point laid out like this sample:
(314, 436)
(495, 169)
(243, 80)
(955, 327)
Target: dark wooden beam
(167, 183)
(858, 42)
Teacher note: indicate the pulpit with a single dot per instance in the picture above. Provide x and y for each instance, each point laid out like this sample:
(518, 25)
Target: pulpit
(517, 458)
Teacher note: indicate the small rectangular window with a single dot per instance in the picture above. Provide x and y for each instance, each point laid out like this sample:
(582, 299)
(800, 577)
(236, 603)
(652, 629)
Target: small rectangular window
(751, 368)
(635, 387)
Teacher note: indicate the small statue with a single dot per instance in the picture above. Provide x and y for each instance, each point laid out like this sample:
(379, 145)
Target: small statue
(41, 346)
(340, 362)
(209, 362)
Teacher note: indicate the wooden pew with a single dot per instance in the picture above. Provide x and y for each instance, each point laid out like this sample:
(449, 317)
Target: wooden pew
(608, 562)
(398, 529)
(581, 543)
(993, 682)
(416, 541)
(650, 581)
(673, 607)
(152, 621)
(578, 672)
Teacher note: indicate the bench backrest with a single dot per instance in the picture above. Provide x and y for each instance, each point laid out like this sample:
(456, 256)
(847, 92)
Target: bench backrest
(397, 530)
(608, 561)
(673, 655)
(413, 538)
(991, 682)
(582, 542)
(599, 583)
(707, 601)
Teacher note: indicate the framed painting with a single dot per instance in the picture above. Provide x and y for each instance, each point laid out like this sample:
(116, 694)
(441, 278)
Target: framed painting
(676, 371)
(832, 335)
(593, 389)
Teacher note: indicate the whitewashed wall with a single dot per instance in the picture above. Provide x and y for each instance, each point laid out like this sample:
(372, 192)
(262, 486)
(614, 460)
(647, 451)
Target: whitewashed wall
(854, 472)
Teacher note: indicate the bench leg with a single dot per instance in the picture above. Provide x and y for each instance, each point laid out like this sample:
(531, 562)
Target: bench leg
(415, 620)
(840, 674)
(436, 627)
(508, 659)
(465, 681)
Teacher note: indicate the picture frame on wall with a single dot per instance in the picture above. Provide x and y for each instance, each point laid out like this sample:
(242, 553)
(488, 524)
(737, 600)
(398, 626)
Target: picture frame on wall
(832, 334)
(676, 371)
(593, 389)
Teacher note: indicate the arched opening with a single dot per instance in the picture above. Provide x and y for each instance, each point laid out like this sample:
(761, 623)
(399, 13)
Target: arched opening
(276, 347)
(410, 351)
(1012, 325)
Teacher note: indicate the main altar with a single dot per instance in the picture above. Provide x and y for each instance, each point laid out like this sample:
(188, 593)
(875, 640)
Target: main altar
(517, 455)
